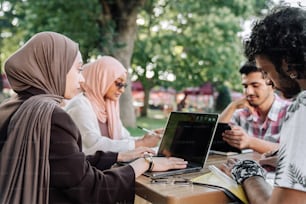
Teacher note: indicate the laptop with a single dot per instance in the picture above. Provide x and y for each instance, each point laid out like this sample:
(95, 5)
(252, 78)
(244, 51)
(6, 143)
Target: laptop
(188, 136)
(219, 146)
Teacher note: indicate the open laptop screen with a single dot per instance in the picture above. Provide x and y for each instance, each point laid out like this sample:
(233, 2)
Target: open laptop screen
(188, 136)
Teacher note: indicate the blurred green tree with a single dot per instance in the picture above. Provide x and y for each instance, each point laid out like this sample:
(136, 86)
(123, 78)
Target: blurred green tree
(179, 43)
(103, 27)
(183, 43)
(8, 32)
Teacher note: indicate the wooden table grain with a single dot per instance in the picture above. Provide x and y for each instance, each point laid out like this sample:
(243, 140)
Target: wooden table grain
(171, 193)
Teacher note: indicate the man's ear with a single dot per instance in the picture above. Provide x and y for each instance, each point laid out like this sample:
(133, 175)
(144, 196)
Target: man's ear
(291, 72)
(269, 82)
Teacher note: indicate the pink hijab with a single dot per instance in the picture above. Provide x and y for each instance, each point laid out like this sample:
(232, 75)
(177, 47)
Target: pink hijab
(99, 76)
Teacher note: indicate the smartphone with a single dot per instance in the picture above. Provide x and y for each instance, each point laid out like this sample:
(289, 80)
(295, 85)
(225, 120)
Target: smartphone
(221, 127)
(219, 144)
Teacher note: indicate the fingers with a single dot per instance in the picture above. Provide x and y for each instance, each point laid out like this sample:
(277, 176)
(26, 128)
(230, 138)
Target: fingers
(175, 159)
(270, 153)
(150, 141)
(159, 131)
(269, 163)
(177, 163)
(232, 140)
(145, 150)
(223, 167)
(232, 161)
(155, 134)
(236, 137)
(272, 161)
(166, 163)
(139, 152)
(179, 166)
(158, 136)
(226, 169)
(231, 133)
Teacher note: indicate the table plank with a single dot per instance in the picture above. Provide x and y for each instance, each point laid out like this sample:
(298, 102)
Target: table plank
(170, 193)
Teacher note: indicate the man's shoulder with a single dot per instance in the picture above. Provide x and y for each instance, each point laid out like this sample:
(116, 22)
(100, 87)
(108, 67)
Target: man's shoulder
(280, 105)
(281, 102)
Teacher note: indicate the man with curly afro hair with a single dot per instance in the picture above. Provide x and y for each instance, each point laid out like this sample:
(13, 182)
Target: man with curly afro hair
(278, 46)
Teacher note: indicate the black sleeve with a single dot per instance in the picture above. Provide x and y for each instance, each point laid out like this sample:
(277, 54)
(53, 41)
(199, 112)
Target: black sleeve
(73, 179)
(102, 160)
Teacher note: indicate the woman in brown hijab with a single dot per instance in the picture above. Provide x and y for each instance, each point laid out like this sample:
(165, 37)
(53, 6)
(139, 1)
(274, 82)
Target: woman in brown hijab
(41, 160)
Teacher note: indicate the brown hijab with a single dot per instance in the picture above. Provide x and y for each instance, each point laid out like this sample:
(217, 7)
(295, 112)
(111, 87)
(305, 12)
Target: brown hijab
(43, 62)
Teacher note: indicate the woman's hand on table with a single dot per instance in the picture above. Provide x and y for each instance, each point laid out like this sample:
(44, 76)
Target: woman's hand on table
(159, 164)
(134, 154)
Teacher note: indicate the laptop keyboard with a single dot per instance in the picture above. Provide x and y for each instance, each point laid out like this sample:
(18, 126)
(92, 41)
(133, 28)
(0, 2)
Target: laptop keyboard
(171, 172)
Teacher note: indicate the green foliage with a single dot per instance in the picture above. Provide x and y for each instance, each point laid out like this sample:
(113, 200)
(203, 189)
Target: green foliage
(77, 19)
(8, 29)
(183, 43)
(190, 41)
(180, 43)
(9, 35)
(223, 99)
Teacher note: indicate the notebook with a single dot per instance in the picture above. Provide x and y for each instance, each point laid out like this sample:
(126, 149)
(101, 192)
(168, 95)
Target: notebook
(188, 136)
(219, 146)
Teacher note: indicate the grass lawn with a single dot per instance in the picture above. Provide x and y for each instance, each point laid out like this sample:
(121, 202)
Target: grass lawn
(153, 121)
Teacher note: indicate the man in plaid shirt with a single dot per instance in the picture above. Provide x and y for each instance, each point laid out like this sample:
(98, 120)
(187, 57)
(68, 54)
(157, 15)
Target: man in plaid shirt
(257, 118)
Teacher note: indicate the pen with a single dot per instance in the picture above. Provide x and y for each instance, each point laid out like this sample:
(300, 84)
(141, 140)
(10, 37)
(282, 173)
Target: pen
(274, 153)
(147, 130)
(220, 174)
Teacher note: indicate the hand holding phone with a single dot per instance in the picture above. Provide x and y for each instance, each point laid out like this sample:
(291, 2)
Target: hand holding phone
(221, 127)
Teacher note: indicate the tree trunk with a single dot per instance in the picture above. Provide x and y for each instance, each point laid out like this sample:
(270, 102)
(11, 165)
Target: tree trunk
(124, 15)
(144, 110)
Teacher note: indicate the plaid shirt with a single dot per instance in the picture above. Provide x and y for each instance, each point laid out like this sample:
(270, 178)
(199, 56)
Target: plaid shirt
(268, 129)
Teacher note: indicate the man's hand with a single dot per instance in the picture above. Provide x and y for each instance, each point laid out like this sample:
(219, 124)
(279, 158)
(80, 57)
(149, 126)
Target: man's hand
(243, 103)
(269, 160)
(228, 112)
(227, 167)
(237, 137)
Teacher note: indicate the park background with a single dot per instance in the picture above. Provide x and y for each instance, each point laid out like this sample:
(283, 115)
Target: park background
(171, 48)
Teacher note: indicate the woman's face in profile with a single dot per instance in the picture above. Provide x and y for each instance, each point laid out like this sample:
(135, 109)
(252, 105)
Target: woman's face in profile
(117, 88)
(74, 77)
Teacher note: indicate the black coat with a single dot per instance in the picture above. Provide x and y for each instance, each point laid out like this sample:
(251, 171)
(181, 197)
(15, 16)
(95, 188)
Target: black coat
(75, 178)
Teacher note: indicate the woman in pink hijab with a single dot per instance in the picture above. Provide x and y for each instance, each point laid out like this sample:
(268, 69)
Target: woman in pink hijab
(96, 111)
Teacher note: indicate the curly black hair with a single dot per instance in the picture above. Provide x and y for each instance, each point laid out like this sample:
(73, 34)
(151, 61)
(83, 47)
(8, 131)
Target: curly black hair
(281, 35)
